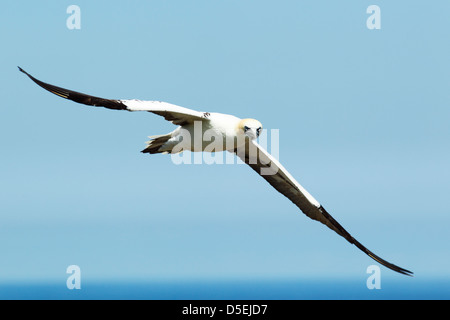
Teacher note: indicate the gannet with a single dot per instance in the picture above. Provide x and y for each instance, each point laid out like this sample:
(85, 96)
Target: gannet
(240, 134)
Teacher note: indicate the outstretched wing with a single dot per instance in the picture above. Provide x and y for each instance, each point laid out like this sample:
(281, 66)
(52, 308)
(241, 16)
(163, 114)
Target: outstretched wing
(176, 114)
(274, 173)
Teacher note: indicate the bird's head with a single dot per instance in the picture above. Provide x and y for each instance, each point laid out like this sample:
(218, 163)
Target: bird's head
(251, 128)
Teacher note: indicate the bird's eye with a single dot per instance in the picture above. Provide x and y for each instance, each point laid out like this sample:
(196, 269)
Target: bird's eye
(258, 131)
(246, 129)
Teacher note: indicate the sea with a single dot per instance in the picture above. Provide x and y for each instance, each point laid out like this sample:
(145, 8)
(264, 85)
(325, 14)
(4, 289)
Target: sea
(295, 289)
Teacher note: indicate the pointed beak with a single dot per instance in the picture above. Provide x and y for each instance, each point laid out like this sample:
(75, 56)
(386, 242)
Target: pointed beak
(252, 134)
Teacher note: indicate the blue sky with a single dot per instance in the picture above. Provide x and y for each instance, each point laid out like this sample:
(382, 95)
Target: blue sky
(363, 118)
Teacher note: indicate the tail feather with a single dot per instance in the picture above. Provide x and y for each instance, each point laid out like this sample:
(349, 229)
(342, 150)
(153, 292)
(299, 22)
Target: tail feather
(155, 144)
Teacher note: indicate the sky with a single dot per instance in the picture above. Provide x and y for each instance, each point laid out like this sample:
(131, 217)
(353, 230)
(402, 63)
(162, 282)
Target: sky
(363, 118)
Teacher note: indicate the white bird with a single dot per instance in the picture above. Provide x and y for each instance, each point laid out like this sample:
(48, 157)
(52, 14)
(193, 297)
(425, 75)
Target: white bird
(240, 134)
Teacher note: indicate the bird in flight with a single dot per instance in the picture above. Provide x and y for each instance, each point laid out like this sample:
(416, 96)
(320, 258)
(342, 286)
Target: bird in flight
(239, 137)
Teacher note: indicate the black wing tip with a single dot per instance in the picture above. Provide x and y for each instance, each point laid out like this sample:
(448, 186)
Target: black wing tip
(404, 271)
(78, 96)
(407, 273)
(352, 240)
(21, 70)
(398, 269)
(383, 262)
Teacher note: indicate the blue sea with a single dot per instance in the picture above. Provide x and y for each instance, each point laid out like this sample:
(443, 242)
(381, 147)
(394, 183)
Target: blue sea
(409, 289)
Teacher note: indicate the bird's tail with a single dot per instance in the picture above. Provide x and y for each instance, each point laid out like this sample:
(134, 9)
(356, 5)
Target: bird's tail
(156, 144)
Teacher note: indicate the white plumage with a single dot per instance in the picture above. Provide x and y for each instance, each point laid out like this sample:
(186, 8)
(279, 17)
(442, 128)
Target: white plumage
(237, 136)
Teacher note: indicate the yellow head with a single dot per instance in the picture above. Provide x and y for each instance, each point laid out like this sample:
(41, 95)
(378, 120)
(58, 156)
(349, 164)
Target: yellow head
(251, 128)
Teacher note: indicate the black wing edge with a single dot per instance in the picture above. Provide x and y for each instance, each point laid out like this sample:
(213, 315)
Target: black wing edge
(77, 96)
(352, 240)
